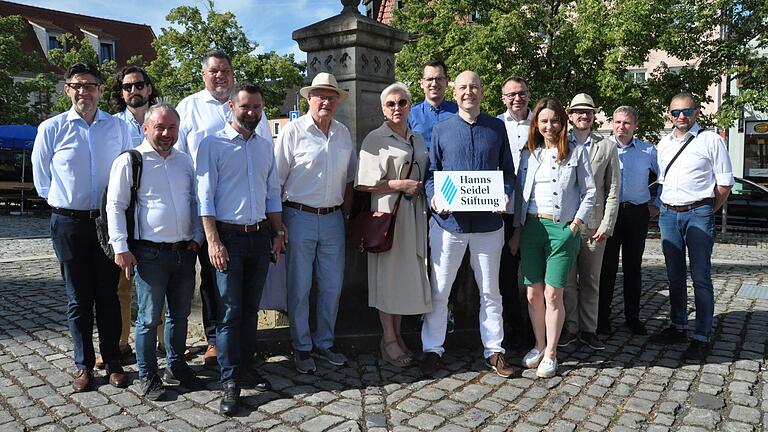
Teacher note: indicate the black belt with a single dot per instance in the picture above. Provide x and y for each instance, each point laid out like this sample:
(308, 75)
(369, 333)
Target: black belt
(310, 209)
(166, 246)
(243, 228)
(627, 205)
(687, 207)
(79, 214)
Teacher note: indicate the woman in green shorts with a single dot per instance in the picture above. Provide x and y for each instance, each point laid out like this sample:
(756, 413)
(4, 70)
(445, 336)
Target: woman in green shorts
(553, 196)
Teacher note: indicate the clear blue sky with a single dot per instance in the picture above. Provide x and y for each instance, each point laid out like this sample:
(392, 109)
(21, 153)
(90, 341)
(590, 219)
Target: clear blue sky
(268, 22)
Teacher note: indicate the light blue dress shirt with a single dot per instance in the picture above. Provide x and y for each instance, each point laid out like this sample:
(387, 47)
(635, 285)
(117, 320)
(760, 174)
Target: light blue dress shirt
(237, 180)
(134, 128)
(423, 117)
(71, 160)
(636, 161)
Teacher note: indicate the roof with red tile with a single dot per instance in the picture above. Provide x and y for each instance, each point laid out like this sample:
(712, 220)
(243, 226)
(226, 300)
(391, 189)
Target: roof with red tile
(129, 38)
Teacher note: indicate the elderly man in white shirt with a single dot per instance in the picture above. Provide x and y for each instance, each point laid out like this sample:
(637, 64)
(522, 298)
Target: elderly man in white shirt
(202, 114)
(317, 164)
(163, 248)
(694, 186)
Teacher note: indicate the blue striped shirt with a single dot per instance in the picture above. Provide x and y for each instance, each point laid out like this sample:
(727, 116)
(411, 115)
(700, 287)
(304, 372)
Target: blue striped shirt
(636, 161)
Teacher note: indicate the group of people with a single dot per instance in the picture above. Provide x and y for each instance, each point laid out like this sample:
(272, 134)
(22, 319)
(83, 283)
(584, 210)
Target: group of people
(214, 187)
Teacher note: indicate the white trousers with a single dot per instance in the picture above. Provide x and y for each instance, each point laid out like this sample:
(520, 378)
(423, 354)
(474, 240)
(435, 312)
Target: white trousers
(447, 253)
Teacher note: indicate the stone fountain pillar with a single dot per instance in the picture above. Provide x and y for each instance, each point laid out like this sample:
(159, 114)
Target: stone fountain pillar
(360, 52)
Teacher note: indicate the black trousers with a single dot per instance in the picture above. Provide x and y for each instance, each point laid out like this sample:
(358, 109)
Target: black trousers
(629, 237)
(516, 332)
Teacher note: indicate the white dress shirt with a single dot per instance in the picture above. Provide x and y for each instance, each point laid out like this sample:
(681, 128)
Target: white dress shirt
(314, 169)
(166, 206)
(517, 133)
(71, 159)
(202, 115)
(703, 164)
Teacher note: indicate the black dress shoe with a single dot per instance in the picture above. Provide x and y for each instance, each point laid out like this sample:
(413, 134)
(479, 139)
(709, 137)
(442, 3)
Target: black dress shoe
(668, 336)
(636, 327)
(697, 350)
(252, 379)
(604, 330)
(181, 374)
(430, 364)
(231, 400)
(591, 340)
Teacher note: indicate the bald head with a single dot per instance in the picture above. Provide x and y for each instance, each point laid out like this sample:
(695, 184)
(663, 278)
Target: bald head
(468, 93)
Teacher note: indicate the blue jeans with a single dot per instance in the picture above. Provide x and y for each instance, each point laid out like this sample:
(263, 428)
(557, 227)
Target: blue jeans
(695, 230)
(91, 282)
(315, 242)
(239, 294)
(162, 275)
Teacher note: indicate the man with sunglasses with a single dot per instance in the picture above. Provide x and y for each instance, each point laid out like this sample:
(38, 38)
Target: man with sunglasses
(203, 114)
(517, 120)
(694, 186)
(132, 94)
(71, 160)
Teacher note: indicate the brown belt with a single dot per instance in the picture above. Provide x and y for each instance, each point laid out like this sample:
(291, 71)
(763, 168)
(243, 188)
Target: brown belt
(685, 208)
(309, 209)
(243, 228)
(543, 215)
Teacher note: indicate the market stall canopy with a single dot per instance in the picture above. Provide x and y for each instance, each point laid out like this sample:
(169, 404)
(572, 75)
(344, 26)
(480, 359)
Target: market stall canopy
(17, 136)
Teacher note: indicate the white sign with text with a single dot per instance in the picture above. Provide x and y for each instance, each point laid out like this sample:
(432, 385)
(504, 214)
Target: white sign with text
(460, 191)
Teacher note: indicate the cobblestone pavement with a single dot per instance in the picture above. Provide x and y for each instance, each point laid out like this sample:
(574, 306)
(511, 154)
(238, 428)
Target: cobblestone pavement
(632, 385)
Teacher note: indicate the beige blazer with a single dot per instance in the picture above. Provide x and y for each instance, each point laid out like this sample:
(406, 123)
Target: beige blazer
(604, 159)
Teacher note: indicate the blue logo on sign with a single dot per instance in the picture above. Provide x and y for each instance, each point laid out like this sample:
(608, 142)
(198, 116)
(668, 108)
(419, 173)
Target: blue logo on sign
(449, 190)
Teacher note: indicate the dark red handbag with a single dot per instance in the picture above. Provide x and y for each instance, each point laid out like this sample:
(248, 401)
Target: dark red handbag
(374, 231)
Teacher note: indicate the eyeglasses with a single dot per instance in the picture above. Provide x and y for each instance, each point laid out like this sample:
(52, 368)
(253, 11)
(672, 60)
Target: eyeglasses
(434, 79)
(687, 111)
(402, 103)
(512, 95)
(333, 98)
(138, 84)
(88, 86)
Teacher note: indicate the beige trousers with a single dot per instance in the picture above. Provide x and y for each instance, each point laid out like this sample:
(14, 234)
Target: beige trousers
(582, 295)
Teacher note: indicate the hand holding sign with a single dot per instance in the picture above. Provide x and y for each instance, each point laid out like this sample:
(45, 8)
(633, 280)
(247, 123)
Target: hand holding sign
(461, 191)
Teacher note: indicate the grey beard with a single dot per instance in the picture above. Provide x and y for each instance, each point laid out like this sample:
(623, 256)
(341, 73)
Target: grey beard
(249, 126)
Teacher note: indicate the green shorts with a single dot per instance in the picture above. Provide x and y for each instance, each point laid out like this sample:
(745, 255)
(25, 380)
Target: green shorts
(547, 251)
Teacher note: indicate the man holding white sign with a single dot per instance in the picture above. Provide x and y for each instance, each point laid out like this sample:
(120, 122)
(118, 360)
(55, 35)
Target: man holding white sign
(467, 210)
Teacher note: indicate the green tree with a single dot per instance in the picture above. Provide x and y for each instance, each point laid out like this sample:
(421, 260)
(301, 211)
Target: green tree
(563, 48)
(15, 105)
(177, 68)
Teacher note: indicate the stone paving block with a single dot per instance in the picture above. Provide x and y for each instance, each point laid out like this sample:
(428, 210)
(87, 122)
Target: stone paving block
(471, 418)
(707, 401)
(705, 418)
(540, 418)
(104, 411)
(526, 427)
(299, 414)
(745, 414)
(91, 428)
(90, 399)
(426, 422)
(730, 426)
(412, 405)
(320, 423)
(347, 408)
(277, 405)
(175, 426)
(348, 426)
(120, 422)
(74, 421)
(375, 421)
(641, 406)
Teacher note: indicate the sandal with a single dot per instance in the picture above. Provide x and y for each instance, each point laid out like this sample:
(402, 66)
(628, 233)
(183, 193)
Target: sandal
(404, 360)
(403, 346)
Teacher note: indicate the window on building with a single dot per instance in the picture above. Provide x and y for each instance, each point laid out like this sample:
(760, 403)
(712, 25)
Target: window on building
(637, 75)
(107, 51)
(276, 128)
(54, 42)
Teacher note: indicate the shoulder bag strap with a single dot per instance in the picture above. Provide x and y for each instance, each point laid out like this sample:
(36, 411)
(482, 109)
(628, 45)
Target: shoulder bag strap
(688, 141)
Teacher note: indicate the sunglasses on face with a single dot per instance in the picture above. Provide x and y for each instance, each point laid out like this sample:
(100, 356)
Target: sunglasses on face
(687, 111)
(402, 103)
(138, 84)
(89, 86)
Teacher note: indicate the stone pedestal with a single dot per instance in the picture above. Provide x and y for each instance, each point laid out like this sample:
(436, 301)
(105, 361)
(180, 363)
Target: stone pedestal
(360, 52)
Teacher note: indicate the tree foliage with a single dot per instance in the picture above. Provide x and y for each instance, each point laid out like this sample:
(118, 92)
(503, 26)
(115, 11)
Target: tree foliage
(177, 68)
(15, 106)
(564, 48)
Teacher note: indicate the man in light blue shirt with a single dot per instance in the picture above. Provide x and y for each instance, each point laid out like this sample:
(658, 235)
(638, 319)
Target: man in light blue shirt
(434, 107)
(637, 160)
(239, 196)
(71, 159)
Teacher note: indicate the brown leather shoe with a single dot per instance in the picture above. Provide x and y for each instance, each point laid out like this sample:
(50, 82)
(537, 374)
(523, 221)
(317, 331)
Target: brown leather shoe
(209, 358)
(497, 362)
(117, 376)
(83, 380)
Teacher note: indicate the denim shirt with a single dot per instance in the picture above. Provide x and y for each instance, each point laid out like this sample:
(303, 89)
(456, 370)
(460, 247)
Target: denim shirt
(461, 146)
(573, 186)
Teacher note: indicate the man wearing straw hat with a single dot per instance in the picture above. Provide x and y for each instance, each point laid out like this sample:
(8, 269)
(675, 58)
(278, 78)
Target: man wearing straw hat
(581, 296)
(316, 163)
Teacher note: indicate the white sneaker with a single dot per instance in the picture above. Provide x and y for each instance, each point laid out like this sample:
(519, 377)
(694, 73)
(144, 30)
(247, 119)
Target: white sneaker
(547, 368)
(533, 358)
